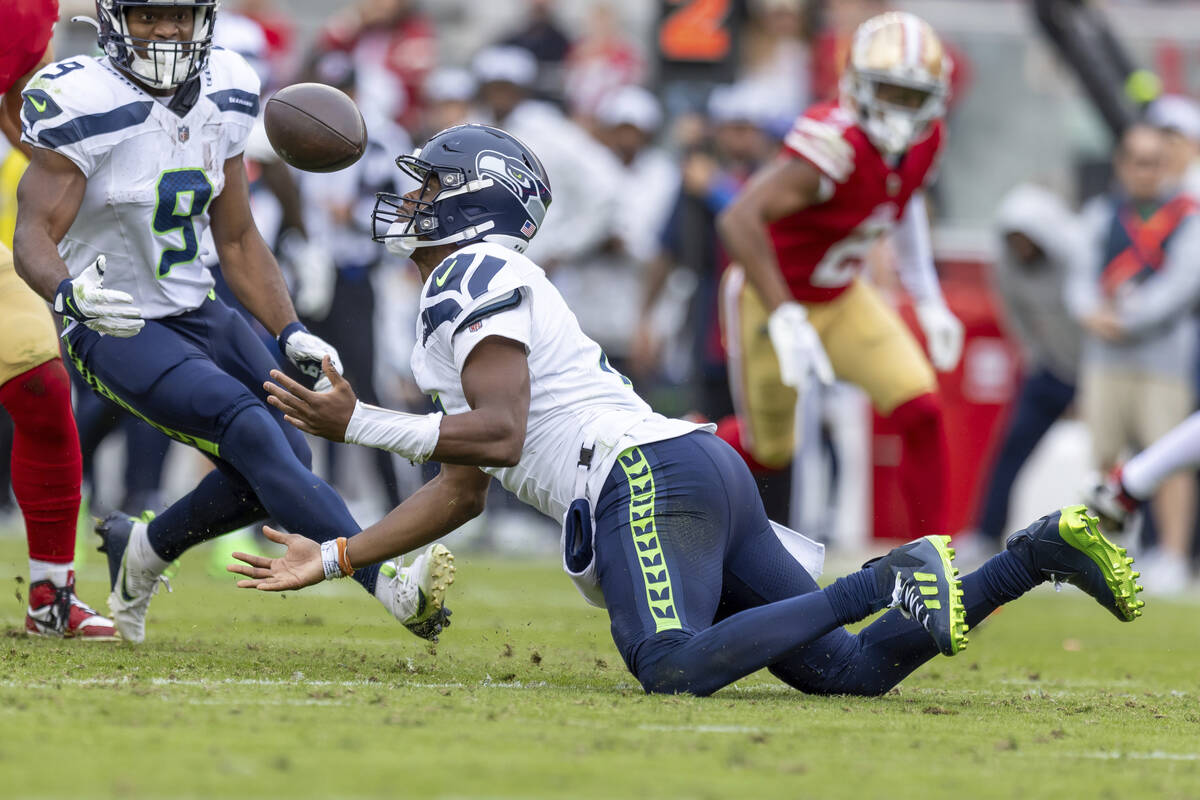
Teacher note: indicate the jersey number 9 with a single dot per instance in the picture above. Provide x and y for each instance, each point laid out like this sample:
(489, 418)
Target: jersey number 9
(182, 194)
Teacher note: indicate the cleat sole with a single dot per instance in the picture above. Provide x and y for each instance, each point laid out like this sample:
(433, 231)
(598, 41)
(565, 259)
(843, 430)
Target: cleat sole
(1082, 531)
(958, 612)
(442, 573)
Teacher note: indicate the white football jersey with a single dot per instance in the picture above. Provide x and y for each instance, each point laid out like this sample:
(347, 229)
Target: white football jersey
(151, 175)
(487, 290)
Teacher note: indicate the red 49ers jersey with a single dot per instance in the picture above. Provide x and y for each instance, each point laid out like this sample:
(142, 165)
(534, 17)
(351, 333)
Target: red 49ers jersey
(820, 248)
(25, 28)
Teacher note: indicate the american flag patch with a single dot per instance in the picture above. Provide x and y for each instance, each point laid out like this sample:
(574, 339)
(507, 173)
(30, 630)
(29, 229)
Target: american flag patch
(528, 228)
(475, 326)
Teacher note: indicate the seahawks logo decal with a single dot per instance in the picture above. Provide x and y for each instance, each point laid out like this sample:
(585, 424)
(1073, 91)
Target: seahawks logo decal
(515, 176)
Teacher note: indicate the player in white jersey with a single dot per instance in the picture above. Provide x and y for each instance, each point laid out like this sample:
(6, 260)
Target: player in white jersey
(662, 522)
(136, 154)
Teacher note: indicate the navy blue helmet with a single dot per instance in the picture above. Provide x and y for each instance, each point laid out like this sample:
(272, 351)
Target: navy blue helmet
(489, 187)
(160, 64)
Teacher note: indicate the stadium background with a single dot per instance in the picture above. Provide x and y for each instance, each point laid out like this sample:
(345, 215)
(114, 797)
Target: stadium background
(308, 696)
(1018, 115)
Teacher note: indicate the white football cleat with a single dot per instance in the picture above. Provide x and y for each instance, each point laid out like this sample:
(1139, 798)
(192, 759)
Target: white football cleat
(416, 594)
(133, 583)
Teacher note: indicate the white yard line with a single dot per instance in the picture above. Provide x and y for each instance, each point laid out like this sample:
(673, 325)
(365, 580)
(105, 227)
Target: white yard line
(1153, 755)
(204, 683)
(738, 729)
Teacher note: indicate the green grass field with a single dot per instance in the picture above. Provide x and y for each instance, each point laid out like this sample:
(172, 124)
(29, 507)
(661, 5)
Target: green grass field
(320, 694)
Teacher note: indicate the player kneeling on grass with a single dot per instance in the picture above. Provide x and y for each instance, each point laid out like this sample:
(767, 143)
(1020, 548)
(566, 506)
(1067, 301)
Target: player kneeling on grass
(663, 524)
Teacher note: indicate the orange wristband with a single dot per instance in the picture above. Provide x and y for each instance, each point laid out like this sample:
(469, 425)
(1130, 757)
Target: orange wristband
(343, 561)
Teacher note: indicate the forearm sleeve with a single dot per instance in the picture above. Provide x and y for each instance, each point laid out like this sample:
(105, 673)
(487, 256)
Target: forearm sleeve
(914, 253)
(413, 436)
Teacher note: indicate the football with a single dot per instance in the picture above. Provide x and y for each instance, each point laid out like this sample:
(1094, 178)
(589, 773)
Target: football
(315, 127)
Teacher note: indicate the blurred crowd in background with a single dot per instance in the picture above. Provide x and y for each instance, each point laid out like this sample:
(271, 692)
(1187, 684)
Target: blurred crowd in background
(647, 130)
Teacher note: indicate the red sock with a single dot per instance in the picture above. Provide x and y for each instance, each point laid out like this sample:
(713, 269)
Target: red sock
(46, 465)
(924, 469)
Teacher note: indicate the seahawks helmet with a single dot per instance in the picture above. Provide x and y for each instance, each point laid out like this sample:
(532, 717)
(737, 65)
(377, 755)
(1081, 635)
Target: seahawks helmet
(159, 64)
(489, 187)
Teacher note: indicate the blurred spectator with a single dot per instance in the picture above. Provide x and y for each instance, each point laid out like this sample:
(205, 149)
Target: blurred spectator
(245, 37)
(542, 36)
(278, 32)
(601, 61)
(583, 174)
(1039, 237)
(338, 218)
(776, 59)
(1136, 299)
(1178, 117)
(448, 95)
(831, 45)
(712, 172)
(602, 288)
(394, 48)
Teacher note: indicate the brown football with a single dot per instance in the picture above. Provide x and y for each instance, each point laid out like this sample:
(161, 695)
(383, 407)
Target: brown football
(315, 127)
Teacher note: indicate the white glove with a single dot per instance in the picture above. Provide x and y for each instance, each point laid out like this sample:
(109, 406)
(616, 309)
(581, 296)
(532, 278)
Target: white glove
(798, 347)
(943, 334)
(306, 351)
(106, 311)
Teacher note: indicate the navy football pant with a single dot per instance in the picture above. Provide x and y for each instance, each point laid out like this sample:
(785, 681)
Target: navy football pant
(700, 592)
(198, 378)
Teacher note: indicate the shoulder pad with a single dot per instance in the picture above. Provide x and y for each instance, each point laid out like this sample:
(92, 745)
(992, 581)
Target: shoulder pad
(232, 83)
(466, 280)
(823, 143)
(72, 100)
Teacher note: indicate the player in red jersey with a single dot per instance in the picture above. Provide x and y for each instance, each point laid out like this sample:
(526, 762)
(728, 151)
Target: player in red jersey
(795, 306)
(34, 387)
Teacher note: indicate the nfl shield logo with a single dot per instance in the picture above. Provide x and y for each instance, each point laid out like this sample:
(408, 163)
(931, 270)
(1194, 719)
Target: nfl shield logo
(527, 229)
(184, 133)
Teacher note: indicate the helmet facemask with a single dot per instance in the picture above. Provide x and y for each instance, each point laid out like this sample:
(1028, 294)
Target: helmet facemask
(896, 80)
(476, 184)
(157, 63)
(404, 224)
(895, 113)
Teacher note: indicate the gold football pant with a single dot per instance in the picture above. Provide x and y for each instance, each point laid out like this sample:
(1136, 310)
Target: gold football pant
(867, 344)
(27, 335)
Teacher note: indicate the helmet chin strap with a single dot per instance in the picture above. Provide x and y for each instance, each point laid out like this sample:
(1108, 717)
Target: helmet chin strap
(400, 242)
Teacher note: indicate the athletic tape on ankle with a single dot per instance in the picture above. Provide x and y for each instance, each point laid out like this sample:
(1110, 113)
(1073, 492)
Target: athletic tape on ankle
(413, 436)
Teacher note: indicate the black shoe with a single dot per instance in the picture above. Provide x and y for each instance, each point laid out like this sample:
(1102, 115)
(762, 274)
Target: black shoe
(925, 587)
(1068, 547)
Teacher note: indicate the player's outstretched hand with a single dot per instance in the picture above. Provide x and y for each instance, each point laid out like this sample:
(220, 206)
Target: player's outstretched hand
(300, 566)
(325, 414)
